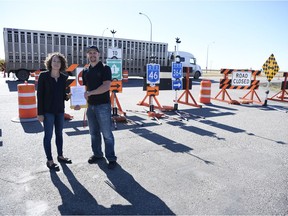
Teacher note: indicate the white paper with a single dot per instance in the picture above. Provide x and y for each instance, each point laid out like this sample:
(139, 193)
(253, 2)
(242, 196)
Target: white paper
(77, 97)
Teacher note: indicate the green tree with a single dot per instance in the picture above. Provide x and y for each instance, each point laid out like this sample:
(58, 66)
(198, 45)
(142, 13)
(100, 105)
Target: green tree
(2, 64)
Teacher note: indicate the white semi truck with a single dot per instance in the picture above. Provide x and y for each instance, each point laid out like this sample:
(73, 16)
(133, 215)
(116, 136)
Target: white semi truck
(26, 50)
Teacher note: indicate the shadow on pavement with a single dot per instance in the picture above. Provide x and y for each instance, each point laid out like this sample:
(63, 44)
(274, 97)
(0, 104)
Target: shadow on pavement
(81, 202)
(12, 85)
(142, 201)
(167, 143)
(32, 127)
(198, 131)
(161, 140)
(78, 201)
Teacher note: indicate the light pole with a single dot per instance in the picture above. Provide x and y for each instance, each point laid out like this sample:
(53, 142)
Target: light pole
(150, 24)
(208, 55)
(152, 56)
(104, 31)
(177, 58)
(113, 33)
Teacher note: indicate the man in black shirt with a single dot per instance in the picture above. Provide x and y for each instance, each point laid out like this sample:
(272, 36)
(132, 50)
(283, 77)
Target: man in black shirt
(97, 79)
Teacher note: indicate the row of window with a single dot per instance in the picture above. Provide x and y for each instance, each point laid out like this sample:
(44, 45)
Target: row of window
(79, 40)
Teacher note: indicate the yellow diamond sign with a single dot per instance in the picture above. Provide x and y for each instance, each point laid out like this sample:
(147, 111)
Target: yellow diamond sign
(270, 67)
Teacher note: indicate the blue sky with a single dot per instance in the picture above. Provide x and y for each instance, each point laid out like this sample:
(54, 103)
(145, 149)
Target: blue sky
(245, 33)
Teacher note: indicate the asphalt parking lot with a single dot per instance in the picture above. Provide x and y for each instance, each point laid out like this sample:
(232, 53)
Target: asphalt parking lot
(225, 160)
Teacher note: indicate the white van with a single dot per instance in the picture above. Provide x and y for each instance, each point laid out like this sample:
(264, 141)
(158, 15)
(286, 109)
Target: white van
(188, 60)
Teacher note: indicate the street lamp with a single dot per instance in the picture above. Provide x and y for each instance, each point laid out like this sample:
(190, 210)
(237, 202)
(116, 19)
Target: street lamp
(152, 56)
(150, 24)
(104, 31)
(207, 55)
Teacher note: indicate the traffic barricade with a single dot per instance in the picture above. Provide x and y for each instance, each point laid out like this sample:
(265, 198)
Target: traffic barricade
(241, 80)
(205, 92)
(282, 96)
(187, 94)
(26, 103)
(125, 75)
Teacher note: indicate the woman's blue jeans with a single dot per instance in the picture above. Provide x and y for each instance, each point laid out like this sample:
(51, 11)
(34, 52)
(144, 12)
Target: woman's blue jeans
(51, 120)
(99, 121)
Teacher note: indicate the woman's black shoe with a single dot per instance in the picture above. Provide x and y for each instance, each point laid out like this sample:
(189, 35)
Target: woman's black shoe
(64, 160)
(53, 166)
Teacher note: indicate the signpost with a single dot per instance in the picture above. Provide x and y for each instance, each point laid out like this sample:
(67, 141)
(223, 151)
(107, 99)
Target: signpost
(153, 74)
(177, 84)
(177, 71)
(114, 53)
(241, 78)
(270, 68)
(116, 68)
(177, 74)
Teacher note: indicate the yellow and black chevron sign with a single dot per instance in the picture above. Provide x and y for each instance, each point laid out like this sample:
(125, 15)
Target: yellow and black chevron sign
(270, 67)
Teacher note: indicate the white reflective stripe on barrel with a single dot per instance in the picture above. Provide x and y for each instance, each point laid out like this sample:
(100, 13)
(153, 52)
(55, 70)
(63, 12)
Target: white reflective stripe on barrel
(26, 94)
(205, 96)
(27, 106)
(205, 88)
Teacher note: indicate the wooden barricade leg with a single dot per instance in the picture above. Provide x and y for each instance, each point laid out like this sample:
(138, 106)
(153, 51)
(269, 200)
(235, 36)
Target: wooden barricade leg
(254, 86)
(187, 93)
(252, 92)
(224, 92)
(114, 99)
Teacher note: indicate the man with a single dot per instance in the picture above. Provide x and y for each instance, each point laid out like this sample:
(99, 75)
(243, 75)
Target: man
(97, 78)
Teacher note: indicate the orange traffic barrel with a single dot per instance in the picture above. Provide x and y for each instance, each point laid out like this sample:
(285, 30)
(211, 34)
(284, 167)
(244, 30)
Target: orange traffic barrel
(205, 91)
(27, 101)
(125, 75)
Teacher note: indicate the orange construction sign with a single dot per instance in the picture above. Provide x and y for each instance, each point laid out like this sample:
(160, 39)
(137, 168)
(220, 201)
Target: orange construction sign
(153, 90)
(72, 67)
(116, 86)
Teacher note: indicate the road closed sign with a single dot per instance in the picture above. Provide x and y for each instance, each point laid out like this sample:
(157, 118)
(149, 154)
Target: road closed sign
(241, 78)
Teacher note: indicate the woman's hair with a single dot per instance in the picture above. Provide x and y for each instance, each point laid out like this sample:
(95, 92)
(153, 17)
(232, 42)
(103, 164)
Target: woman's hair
(48, 61)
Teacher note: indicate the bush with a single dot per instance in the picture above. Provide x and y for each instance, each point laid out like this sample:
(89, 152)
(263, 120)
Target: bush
(2, 64)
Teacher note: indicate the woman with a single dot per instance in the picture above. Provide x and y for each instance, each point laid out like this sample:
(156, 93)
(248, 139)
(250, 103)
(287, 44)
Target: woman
(51, 96)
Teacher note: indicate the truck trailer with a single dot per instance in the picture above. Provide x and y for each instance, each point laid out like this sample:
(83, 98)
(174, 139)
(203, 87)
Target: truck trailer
(26, 50)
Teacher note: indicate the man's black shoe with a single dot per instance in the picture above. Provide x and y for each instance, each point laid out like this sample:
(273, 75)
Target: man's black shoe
(112, 164)
(93, 159)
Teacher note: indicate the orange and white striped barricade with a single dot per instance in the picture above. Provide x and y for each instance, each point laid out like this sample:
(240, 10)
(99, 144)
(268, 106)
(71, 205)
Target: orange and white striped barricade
(125, 76)
(26, 103)
(205, 92)
(226, 84)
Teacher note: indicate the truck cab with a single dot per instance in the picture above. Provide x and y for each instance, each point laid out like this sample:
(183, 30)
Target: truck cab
(188, 60)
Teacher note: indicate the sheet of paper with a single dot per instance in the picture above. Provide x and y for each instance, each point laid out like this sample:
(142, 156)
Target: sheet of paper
(77, 97)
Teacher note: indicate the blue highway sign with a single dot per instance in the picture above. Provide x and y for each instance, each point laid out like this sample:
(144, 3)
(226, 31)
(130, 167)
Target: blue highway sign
(177, 84)
(153, 73)
(177, 72)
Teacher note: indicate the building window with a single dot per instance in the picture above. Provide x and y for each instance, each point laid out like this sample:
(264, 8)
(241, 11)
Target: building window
(16, 38)
(29, 38)
(63, 40)
(35, 38)
(22, 37)
(49, 39)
